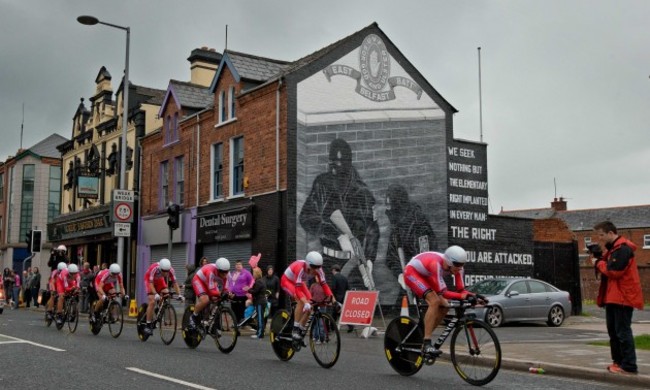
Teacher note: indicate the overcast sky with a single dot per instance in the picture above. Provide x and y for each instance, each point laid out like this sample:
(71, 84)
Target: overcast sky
(565, 84)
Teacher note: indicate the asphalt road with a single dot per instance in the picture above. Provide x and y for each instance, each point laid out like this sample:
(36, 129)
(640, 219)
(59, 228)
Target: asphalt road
(36, 357)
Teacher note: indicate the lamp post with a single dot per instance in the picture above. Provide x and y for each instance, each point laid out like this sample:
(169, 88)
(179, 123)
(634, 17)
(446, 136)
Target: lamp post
(91, 21)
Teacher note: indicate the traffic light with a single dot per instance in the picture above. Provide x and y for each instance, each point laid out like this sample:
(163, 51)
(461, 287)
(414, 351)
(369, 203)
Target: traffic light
(36, 240)
(173, 211)
(28, 240)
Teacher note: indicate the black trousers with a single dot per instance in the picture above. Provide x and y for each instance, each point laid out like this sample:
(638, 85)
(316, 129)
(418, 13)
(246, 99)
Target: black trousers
(621, 340)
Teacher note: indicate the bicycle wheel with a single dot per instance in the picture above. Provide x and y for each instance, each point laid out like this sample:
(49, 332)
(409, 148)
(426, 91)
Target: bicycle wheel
(475, 352)
(72, 315)
(48, 319)
(167, 323)
(324, 340)
(280, 335)
(115, 319)
(142, 322)
(404, 354)
(192, 338)
(227, 330)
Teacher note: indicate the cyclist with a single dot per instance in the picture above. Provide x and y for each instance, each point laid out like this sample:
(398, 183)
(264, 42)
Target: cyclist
(52, 287)
(206, 288)
(105, 282)
(294, 283)
(67, 282)
(156, 282)
(424, 276)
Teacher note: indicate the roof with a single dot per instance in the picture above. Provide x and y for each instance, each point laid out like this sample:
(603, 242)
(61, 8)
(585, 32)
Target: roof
(150, 95)
(255, 68)
(45, 148)
(187, 95)
(625, 217)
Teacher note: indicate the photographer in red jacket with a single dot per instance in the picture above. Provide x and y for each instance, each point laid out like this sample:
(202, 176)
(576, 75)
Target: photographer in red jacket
(620, 293)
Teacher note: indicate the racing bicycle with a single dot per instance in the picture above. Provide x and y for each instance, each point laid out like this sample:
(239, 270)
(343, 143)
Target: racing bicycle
(111, 314)
(474, 347)
(218, 321)
(164, 318)
(70, 312)
(324, 337)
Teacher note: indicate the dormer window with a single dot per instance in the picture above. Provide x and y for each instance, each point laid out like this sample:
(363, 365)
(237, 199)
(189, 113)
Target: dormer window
(231, 98)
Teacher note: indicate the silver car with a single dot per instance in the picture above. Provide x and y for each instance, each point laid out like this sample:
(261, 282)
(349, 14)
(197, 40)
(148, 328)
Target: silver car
(521, 299)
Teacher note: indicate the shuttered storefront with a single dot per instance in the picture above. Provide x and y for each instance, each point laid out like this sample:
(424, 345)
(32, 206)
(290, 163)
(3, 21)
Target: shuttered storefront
(232, 250)
(179, 259)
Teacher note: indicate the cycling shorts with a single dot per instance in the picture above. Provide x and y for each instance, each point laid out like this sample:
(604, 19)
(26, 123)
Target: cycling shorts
(295, 292)
(416, 282)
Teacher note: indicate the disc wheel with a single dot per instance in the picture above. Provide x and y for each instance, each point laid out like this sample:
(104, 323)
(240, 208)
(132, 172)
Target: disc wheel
(404, 355)
(192, 338)
(280, 335)
(168, 324)
(226, 330)
(115, 319)
(142, 322)
(325, 340)
(72, 316)
(475, 352)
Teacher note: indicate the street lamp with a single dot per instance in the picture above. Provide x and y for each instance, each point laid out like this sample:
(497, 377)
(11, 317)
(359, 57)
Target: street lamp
(91, 21)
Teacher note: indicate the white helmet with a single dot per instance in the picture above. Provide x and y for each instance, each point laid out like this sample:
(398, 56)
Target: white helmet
(314, 259)
(165, 264)
(73, 269)
(115, 268)
(61, 248)
(222, 264)
(455, 255)
(61, 266)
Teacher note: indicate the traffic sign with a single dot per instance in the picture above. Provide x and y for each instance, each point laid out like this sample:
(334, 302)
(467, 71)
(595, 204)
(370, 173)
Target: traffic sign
(123, 212)
(358, 307)
(122, 229)
(123, 196)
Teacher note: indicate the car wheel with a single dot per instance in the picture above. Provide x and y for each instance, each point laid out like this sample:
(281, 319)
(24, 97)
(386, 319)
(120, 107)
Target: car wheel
(494, 316)
(555, 316)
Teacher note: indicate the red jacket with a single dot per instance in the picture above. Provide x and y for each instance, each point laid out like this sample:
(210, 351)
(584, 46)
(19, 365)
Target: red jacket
(621, 283)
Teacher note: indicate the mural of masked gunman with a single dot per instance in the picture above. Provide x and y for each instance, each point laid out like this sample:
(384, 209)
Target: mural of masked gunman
(339, 211)
(410, 231)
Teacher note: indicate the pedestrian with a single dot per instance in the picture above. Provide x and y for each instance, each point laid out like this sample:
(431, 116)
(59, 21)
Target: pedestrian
(26, 287)
(204, 261)
(239, 282)
(87, 278)
(8, 283)
(17, 285)
(258, 296)
(272, 283)
(188, 290)
(35, 285)
(620, 292)
(339, 287)
(318, 297)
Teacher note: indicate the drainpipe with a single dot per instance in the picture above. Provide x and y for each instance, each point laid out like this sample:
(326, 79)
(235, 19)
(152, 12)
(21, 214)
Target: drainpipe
(277, 136)
(198, 156)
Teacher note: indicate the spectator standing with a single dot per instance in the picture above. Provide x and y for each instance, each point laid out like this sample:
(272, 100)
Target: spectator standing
(318, 297)
(8, 283)
(239, 282)
(204, 261)
(339, 287)
(17, 285)
(258, 294)
(188, 290)
(87, 278)
(26, 287)
(272, 283)
(620, 292)
(35, 285)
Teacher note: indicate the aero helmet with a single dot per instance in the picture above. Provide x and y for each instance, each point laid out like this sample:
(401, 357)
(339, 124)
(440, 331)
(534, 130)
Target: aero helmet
(455, 255)
(165, 264)
(61, 266)
(115, 268)
(222, 264)
(314, 259)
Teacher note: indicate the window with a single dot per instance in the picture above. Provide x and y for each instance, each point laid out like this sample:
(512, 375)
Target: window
(646, 241)
(166, 137)
(231, 99)
(179, 177)
(519, 287)
(54, 193)
(27, 199)
(587, 241)
(222, 107)
(217, 171)
(174, 135)
(237, 164)
(2, 186)
(536, 287)
(164, 184)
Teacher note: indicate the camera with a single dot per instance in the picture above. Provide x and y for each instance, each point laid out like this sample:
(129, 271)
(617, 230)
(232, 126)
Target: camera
(594, 250)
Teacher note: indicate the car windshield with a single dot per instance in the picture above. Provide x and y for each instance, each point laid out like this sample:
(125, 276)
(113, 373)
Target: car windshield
(489, 287)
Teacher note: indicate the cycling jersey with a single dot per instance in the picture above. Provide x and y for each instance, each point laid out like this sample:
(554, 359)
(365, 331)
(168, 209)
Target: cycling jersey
(66, 282)
(52, 282)
(425, 273)
(107, 280)
(155, 275)
(295, 277)
(206, 280)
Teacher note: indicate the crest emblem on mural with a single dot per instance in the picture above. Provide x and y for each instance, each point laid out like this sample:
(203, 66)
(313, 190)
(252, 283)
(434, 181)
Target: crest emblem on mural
(373, 77)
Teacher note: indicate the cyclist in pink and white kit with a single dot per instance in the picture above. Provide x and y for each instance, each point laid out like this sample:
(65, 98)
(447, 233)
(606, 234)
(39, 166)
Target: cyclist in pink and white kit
(294, 283)
(155, 281)
(105, 283)
(206, 287)
(67, 282)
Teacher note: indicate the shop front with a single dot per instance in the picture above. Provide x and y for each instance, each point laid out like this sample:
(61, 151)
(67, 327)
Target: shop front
(225, 230)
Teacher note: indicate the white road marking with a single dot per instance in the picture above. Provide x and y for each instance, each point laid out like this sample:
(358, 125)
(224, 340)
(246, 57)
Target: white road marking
(167, 378)
(17, 340)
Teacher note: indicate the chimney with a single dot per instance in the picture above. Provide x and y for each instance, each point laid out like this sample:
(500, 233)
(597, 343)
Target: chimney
(558, 205)
(203, 65)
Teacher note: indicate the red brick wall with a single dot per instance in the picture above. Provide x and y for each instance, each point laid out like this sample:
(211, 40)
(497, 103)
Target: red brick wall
(589, 284)
(551, 230)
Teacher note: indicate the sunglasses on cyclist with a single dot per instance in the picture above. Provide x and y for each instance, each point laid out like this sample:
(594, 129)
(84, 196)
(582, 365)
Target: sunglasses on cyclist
(458, 265)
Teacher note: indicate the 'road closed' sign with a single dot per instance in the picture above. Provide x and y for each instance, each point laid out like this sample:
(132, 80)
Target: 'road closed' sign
(358, 307)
